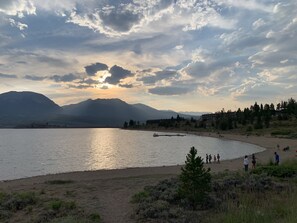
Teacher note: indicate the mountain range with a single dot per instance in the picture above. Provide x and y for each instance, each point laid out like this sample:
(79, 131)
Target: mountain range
(24, 108)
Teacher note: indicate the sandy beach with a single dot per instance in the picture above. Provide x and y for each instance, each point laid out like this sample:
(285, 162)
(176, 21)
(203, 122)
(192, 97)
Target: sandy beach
(108, 192)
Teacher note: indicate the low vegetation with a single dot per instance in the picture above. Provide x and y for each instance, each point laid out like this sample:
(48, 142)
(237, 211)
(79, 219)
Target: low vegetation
(266, 194)
(40, 208)
(59, 182)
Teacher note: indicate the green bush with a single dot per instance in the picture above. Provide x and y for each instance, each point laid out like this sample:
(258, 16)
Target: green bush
(95, 217)
(56, 205)
(136, 198)
(281, 132)
(276, 171)
(17, 201)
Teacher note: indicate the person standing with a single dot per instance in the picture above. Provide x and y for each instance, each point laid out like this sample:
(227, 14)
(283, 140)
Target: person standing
(206, 158)
(214, 158)
(218, 158)
(209, 158)
(254, 161)
(246, 163)
(276, 158)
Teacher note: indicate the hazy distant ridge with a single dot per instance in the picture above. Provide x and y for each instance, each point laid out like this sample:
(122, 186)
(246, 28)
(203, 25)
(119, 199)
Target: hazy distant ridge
(23, 108)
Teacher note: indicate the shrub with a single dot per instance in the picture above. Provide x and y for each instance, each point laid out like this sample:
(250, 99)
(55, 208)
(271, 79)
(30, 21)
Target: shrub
(249, 128)
(59, 182)
(276, 171)
(281, 132)
(136, 198)
(18, 201)
(95, 217)
(195, 180)
(56, 205)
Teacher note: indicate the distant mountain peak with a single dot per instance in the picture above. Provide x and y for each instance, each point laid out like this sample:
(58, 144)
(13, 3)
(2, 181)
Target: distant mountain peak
(27, 107)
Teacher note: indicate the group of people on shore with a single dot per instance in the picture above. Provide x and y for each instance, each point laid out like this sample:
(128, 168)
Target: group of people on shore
(246, 161)
(209, 157)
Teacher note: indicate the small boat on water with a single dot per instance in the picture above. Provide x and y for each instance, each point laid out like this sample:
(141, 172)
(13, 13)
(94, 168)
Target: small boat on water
(157, 135)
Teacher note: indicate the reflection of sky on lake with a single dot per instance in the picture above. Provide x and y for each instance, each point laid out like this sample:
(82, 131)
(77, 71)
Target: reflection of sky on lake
(31, 152)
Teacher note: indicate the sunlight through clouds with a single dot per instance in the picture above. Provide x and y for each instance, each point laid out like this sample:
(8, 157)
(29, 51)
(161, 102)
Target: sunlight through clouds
(149, 50)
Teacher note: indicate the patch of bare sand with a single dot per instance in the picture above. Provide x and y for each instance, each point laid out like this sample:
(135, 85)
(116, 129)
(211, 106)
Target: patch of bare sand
(108, 192)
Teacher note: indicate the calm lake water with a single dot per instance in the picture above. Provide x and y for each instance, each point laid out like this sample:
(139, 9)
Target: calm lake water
(32, 152)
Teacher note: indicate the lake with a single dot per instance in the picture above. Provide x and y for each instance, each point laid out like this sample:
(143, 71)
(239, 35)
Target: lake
(32, 152)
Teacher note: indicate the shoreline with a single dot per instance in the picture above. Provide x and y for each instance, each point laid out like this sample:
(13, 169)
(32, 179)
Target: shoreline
(109, 192)
(109, 173)
(267, 142)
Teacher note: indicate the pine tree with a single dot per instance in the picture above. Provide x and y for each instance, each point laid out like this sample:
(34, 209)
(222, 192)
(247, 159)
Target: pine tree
(195, 180)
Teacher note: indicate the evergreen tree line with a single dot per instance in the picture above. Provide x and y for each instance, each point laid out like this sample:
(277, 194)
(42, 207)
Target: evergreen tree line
(259, 116)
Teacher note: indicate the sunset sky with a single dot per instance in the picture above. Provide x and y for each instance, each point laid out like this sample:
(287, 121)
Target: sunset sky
(183, 55)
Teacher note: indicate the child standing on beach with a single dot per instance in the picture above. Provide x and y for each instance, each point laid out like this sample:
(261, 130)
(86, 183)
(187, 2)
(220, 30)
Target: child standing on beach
(276, 158)
(246, 163)
(254, 161)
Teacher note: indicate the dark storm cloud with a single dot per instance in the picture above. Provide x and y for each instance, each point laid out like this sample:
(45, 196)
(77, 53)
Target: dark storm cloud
(92, 69)
(117, 73)
(11, 76)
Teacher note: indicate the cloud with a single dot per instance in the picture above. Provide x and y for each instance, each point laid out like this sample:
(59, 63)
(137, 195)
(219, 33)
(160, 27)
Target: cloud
(277, 58)
(158, 76)
(247, 4)
(89, 81)
(117, 74)
(240, 40)
(19, 25)
(227, 48)
(252, 90)
(80, 86)
(120, 18)
(17, 7)
(34, 78)
(170, 90)
(126, 85)
(258, 24)
(104, 87)
(65, 78)
(10, 76)
(128, 17)
(76, 80)
(203, 69)
(92, 69)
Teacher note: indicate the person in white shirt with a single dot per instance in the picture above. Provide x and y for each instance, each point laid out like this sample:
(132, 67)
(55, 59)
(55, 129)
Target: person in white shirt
(246, 163)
